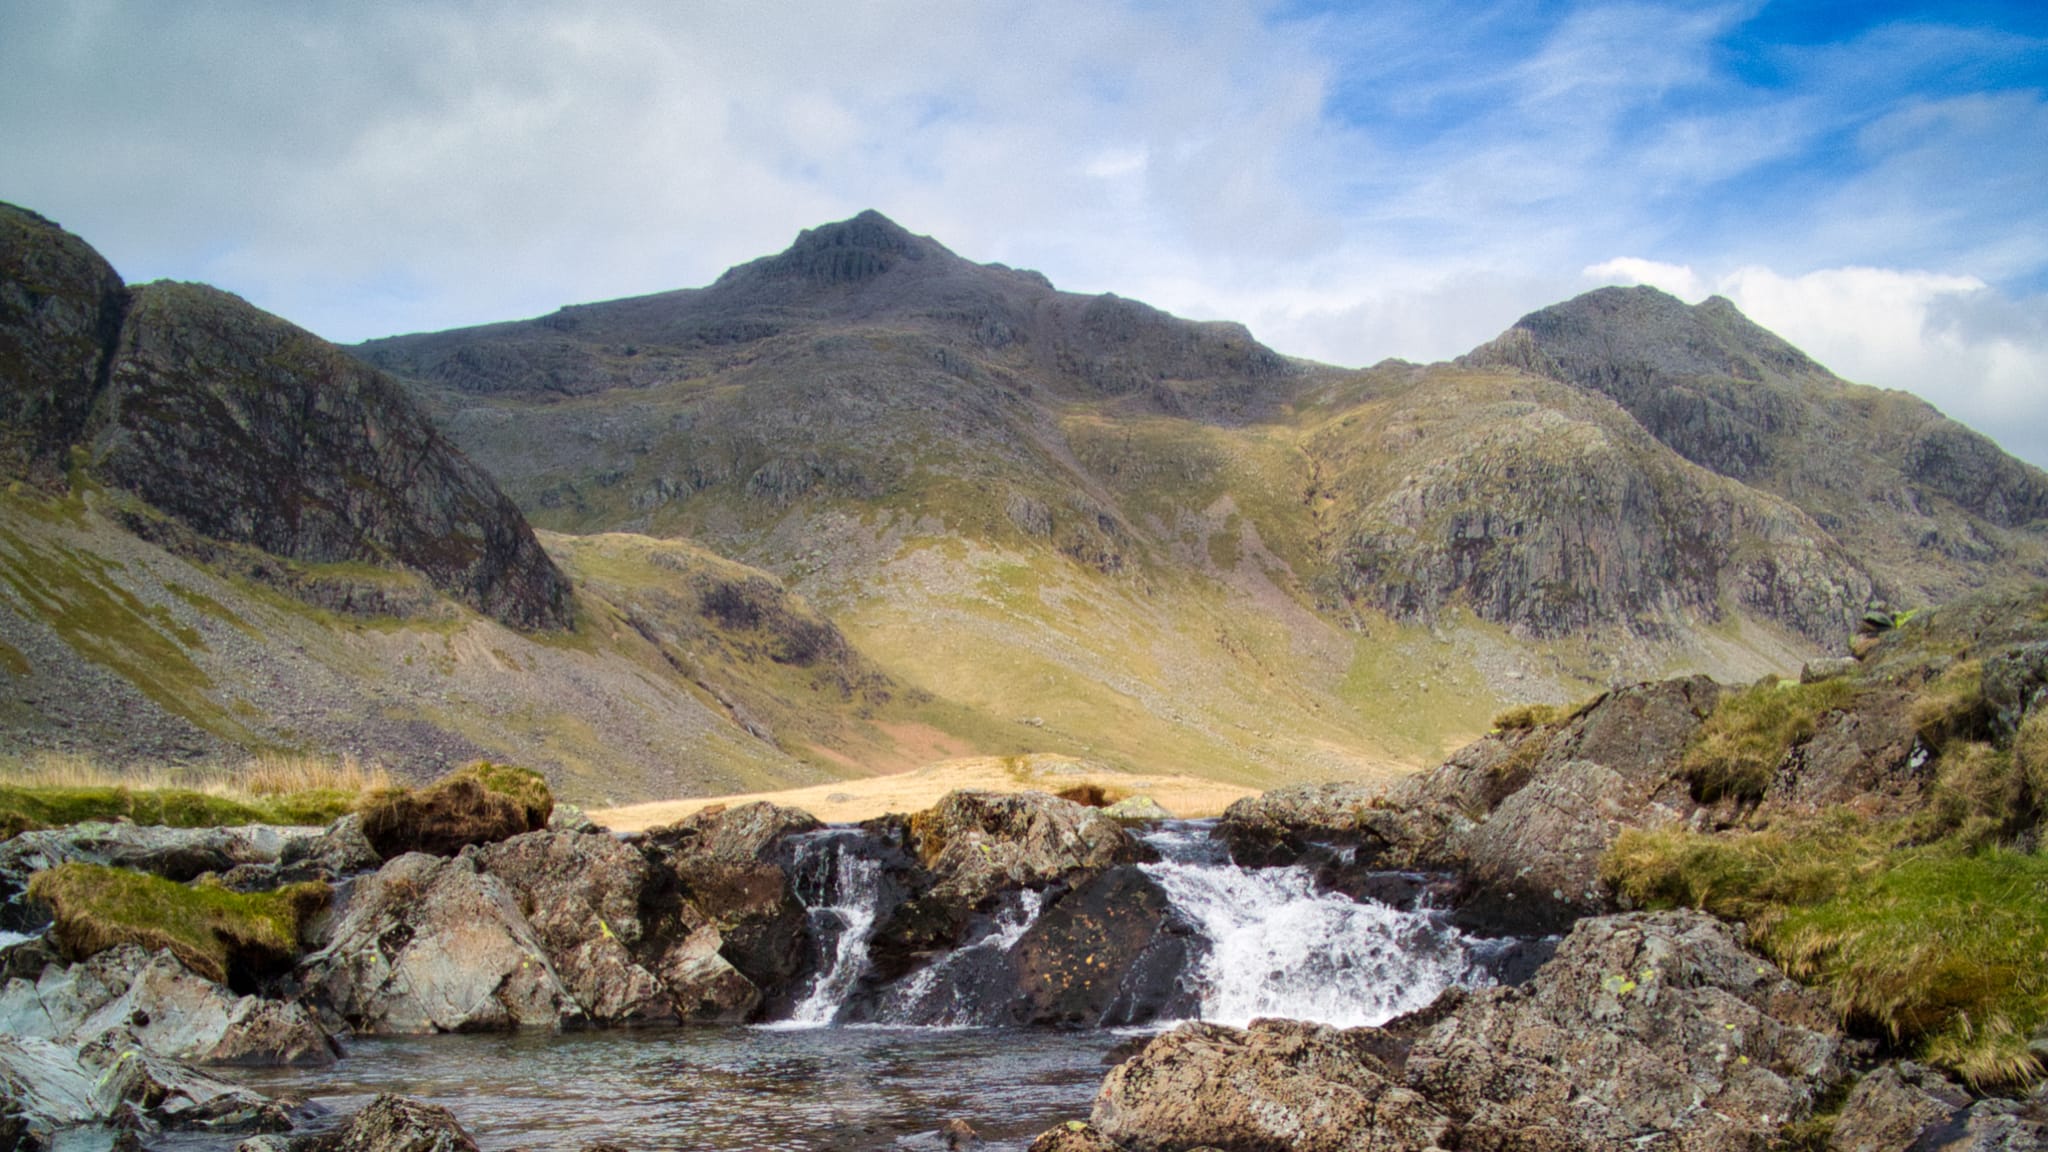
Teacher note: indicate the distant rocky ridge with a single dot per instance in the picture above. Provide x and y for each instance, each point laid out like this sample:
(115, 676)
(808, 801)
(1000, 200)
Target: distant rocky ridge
(246, 429)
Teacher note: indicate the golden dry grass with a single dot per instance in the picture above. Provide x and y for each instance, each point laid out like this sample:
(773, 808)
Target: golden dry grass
(273, 774)
(1184, 796)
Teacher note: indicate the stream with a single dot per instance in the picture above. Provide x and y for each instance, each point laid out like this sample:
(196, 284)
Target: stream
(858, 1066)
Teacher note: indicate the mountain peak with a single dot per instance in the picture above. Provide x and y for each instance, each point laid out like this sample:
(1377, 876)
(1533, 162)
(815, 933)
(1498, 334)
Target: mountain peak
(844, 252)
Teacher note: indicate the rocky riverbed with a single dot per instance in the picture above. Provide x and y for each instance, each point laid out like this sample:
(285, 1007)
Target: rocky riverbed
(1437, 964)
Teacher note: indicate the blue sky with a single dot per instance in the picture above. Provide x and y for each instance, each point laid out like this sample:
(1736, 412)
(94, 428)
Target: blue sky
(1352, 181)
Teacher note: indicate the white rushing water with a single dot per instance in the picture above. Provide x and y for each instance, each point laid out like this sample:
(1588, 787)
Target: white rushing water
(1276, 946)
(842, 889)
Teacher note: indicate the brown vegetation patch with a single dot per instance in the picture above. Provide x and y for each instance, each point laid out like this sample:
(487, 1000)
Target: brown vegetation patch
(478, 804)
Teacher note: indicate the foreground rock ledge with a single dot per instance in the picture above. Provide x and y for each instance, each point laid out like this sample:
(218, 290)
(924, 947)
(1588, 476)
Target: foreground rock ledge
(1646, 1031)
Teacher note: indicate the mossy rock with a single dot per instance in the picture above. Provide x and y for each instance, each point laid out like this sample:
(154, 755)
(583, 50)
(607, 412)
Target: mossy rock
(29, 806)
(479, 804)
(231, 937)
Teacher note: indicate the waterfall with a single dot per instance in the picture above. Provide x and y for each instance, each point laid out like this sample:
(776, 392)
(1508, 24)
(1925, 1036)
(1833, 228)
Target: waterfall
(969, 986)
(841, 887)
(1277, 946)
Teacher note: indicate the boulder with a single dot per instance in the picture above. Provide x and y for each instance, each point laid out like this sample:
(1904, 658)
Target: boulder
(978, 844)
(1108, 953)
(399, 1124)
(1137, 810)
(1642, 1024)
(169, 1010)
(621, 937)
(1892, 1107)
(730, 863)
(435, 944)
(1280, 1084)
(113, 1081)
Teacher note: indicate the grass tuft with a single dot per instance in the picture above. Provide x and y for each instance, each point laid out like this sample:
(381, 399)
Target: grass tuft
(1736, 752)
(1952, 704)
(1934, 946)
(231, 937)
(57, 791)
(478, 804)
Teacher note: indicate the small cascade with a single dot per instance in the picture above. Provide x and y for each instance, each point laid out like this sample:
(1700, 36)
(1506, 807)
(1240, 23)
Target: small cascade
(969, 986)
(840, 882)
(1275, 945)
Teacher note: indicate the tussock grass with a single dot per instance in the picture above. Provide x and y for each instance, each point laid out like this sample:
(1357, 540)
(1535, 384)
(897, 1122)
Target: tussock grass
(1736, 751)
(1937, 947)
(477, 804)
(231, 937)
(56, 791)
(1523, 717)
(1952, 704)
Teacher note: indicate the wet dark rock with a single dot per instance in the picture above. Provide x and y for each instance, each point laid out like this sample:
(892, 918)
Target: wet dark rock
(1108, 953)
(1642, 1028)
(618, 931)
(732, 866)
(434, 944)
(1891, 1108)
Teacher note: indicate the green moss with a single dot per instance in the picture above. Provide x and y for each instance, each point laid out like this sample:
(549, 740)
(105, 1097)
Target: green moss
(41, 806)
(222, 935)
(1952, 704)
(1736, 752)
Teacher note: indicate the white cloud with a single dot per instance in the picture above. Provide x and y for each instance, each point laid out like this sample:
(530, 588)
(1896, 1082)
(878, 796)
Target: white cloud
(1677, 279)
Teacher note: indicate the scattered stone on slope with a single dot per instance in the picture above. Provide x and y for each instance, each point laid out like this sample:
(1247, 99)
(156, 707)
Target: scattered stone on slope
(620, 934)
(434, 944)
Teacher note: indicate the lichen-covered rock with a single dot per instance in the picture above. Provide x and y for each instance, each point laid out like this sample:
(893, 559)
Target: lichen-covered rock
(618, 930)
(1641, 1025)
(1137, 810)
(1073, 1136)
(1280, 1084)
(978, 844)
(434, 944)
(1893, 1106)
(729, 862)
(166, 1008)
(398, 1124)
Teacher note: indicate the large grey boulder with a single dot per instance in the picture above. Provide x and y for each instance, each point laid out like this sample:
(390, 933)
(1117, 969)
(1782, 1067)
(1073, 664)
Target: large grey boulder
(1643, 1027)
(622, 938)
(113, 1081)
(435, 944)
(168, 1010)
(978, 844)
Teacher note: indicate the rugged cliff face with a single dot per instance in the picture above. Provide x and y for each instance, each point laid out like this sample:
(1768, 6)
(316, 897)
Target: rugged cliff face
(1931, 507)
(246, 429)
(60, 317)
